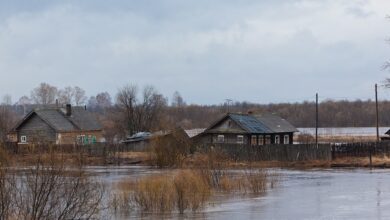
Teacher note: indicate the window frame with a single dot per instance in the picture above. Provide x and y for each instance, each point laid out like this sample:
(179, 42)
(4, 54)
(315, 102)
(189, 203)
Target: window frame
(220, 138)
(260, 140)
(277, 137)
(23, 139)
(253, 137)
(240, 137)
(286, 137)
(268, 139)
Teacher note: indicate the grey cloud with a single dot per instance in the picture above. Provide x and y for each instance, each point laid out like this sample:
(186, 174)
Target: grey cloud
(245, 50)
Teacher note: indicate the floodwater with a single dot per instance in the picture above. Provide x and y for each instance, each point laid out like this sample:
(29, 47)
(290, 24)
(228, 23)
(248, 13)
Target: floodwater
(345, 131)
(307, 194)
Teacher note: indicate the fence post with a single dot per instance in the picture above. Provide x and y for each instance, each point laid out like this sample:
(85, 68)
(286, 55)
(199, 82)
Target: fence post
(370, 157)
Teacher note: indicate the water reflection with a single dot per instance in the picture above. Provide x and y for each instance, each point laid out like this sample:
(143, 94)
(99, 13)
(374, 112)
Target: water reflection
(312, 194)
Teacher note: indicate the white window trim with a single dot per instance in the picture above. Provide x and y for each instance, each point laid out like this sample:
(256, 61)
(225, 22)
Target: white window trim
(277, 139)
(23, 139)
(286, 137)
(220, 138)
(240, 139)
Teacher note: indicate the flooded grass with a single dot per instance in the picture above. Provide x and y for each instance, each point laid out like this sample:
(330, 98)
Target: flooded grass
(186, 190)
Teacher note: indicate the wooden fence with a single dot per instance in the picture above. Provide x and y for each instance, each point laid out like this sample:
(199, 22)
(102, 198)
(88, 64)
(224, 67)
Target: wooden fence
(98, 149)
(363, 149)
(296, 152)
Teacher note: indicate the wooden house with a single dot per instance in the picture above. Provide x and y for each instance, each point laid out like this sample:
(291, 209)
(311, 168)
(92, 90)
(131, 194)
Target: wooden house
(70, 125)
(248, 129)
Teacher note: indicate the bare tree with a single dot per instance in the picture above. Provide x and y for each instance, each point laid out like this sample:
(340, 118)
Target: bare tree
(49, 190)
(126, 101)
(148, 111)
(7, 100)
(79, 95)
(24, 100)
(92, 102)
(177, 100)
(140, 115)
(103, 100)
(66, 95)
(44, 94)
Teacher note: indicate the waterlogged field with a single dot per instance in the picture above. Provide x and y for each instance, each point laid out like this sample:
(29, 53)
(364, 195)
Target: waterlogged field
(309, 194)
(345, 131)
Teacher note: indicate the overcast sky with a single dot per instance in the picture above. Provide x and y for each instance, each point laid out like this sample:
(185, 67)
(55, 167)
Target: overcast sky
(258, 51)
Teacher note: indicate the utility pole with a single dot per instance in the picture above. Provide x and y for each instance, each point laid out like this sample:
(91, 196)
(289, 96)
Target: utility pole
(317, 120)
(377, 112)
(377, 123)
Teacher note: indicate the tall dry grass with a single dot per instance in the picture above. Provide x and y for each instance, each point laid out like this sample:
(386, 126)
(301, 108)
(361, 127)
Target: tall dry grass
(181, 192)
(187, 190)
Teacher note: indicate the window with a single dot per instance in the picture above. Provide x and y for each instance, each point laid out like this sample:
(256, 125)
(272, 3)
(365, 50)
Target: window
(286, 139)
(240, 139)
(253, 140)
(268, 139)
(80, 139)
(261, 140)
(277, 139)
(23, 139)
(220, 138)
(86, 140)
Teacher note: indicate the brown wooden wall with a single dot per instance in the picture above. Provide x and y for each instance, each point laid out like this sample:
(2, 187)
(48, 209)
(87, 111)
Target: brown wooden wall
(232, 138)
(71, 137)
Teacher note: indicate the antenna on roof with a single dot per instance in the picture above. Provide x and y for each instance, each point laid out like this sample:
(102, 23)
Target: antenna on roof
(228, 102)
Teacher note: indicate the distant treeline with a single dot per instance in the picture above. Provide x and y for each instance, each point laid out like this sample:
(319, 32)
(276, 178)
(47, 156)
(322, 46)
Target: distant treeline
(134, 109)
(331, 113)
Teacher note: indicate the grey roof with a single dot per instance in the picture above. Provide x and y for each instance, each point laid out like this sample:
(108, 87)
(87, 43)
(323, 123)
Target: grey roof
(250, 123)
(55, 119)
(262, 124)
(276, 123)
(83, 119)
(80, 119)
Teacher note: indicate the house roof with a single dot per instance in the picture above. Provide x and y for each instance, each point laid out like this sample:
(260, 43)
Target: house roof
(56, 118)
(276, 123)
(263, 124)
(194, 132)
(250, 123)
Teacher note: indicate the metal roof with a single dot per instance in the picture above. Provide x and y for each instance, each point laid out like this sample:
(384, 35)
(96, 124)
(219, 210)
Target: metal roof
(250, 123)
(194, 132)
(261, 124)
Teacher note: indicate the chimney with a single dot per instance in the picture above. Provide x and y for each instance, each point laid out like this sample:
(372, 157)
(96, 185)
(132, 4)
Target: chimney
(68, 110)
